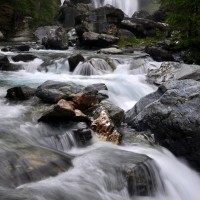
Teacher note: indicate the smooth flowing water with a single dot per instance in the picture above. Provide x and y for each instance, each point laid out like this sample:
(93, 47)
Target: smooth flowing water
(97, 171)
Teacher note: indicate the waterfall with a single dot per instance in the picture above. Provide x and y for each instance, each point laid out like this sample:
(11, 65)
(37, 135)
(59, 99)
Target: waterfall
(61, 2)
(128, 6)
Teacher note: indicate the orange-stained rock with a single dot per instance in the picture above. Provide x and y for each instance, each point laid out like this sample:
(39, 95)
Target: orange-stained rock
(85, 101)
(66, 104)
(106, 129)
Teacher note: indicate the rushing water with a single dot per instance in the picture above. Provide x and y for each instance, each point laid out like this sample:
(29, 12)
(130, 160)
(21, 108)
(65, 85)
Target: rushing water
(97, 169)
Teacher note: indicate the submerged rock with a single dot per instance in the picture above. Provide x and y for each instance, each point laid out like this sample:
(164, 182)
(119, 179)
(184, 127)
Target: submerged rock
(28, 164)
(94, 66)
(20, 93)
(172, 114)
(24, 57)
(136, 173)
(74, 60)
(5, 65)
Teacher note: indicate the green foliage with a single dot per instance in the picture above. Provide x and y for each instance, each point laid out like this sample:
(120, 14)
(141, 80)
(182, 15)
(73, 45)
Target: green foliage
(13, 12)
(184, 17)
(125, 40)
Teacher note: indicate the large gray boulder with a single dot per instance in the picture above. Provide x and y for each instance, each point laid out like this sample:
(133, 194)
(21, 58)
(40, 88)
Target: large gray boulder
(53, 91)
(143, 27)
(20, 93)
(96, 39)
(70, 10)
(173, 71)
(5, 64)
(99, 20)
(52, 37)
(159, 53)
(172, 114)
(103, 20)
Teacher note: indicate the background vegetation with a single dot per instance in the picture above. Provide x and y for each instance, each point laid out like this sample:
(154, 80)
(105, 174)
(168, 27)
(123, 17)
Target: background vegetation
(184, 18)
(13, 13)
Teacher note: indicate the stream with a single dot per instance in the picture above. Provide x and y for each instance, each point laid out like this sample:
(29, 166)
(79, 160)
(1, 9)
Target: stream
(97, 169)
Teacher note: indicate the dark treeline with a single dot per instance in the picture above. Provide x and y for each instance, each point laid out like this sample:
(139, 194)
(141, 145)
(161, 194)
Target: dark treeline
(37, 12)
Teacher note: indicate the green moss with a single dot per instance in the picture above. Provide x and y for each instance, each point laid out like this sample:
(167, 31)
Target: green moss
(125, 40)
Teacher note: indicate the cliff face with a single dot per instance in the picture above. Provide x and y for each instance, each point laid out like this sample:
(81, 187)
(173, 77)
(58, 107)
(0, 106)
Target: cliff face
(14, 14)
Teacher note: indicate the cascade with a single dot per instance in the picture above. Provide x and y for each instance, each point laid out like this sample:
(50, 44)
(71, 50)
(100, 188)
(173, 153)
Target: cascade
(128, 6)
(98, 170)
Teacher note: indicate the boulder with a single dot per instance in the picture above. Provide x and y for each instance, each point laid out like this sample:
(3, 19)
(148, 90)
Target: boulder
(135, 173)
(111, 50)
(24, 57)
(52, 37)
(143, 27)
(95, 39)
(23, 47)
(99, 20)
(105, 128)
(53, 91)
(172, 115)
(141, 14)
(63, 112)
(70, 10)
(159, 54)
(173, 71)
(5, 65)
(100, 25)
(95, 88)
(20, 93)
(82, 135)
(67, 14)
(85, 100)
(74, 60)
(27, 164)
(16, 48)
(116, 114)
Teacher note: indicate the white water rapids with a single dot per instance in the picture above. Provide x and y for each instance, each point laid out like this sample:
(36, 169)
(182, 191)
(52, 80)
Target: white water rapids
(94, 175)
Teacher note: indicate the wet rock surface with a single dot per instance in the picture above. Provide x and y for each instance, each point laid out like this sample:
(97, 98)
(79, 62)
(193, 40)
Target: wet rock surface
(53, 91)
(172, 114)
(52, 37)
(5, 64)
(105, 128)
(27, 164)
(173, 71)
(24, 57)
(74, 60)
(20, 93)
